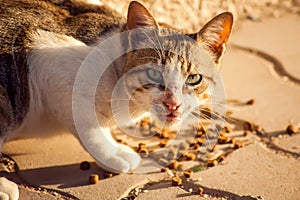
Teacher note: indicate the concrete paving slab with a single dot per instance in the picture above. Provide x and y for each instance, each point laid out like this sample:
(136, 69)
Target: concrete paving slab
(255, 170)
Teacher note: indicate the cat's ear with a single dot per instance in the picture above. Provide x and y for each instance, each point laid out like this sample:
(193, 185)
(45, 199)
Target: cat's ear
(141, 25)
(139, 17)
(214, 35)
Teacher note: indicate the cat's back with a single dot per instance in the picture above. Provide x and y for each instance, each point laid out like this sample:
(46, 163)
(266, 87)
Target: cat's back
(19, 19)
(83, 21)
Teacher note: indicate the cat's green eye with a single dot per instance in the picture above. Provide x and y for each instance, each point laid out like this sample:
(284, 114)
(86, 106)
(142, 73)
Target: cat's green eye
(194, 79)
(154, 75)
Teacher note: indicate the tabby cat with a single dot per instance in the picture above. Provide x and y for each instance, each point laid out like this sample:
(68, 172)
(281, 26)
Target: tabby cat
(43, 45)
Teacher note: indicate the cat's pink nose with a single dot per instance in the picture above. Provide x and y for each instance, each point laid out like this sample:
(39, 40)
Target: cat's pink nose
(172, 105)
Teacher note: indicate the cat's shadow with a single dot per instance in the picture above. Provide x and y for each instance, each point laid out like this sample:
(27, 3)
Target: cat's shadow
(64, 176)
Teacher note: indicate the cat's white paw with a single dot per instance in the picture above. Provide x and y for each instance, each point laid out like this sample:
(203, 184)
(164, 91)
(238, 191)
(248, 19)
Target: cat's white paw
(129, 155)
(8, 190)
(123, 160)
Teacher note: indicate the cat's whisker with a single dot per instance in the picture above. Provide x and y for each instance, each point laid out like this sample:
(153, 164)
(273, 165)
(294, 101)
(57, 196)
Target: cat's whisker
(208, 139)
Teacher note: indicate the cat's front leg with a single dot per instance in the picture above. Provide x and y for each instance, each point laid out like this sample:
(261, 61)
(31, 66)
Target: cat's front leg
(109, 155)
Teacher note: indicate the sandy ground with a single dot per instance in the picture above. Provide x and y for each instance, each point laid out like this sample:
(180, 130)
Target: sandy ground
(267, 167)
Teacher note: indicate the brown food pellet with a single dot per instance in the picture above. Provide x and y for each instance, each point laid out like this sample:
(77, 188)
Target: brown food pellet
(143, 152)
(172, 135)
(108, 175)
(119, 140)
(200, 191)
(174, 164)
(142, 145)
(85, 165)
(165, 135)
(258, 129)
(248, 126)
(291, 129)
(195, 146)
(93, 179)
(145, 122)
(223, 139)
(200, 141)
(176, 181)
(163, 142)
(238, 144)
(188, 173)
(228, 113)
(247, 132)
(221, 158)
(250, 102)
(211, 163)
(190, 156)
(164, 169)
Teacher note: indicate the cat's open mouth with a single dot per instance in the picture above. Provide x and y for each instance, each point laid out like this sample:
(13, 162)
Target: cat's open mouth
(172, 117)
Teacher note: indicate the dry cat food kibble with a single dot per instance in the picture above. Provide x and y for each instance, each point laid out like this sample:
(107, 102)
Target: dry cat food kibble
(108, 175)
(142, 145)
(176, 181)
(190, 156)
(145, 122)
(85, 165)
(188, 173)
(247, 133)
(174, 164)
(222, 139)
(164, 169)
(200, 141)
(250, 102)
(248, 126)
(212, 163)
(238, 144)
(200, 191)
(143, 152)
(163, 142)
(258, 129)
(93, 179)
(291, 129)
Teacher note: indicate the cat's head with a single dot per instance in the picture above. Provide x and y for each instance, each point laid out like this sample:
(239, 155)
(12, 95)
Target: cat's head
(171, 73)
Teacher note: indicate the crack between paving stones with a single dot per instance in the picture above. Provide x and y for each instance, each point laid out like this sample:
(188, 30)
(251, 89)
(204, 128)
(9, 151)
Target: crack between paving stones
(266, 139)
(277, 67)
(188, 185)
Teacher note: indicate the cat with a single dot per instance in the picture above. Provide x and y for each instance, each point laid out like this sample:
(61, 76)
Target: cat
(43, 45)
